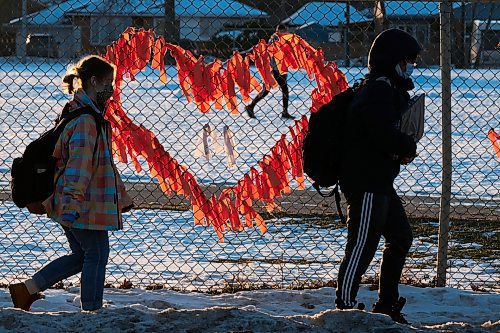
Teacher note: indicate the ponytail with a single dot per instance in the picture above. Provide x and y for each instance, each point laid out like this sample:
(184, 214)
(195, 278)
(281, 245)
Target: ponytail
(77, 75)
(68, 81)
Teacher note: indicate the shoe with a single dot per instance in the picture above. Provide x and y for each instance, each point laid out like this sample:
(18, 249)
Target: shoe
(250, 112)
(394, 310)
(341, 305)
(20, 296)
(286, 115)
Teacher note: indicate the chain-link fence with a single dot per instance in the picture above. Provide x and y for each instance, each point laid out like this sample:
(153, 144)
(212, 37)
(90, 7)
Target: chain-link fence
(161, 246)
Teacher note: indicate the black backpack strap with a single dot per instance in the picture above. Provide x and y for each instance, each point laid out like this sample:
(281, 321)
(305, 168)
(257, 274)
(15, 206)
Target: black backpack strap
(324, 195)
(337, 203)
(334, 191)
(67, 116)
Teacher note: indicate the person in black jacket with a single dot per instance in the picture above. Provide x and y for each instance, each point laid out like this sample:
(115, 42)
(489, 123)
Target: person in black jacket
(373, 150)
(280, 78)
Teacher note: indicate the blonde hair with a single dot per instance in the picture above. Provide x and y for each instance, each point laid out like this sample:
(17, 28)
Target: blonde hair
(78, 75)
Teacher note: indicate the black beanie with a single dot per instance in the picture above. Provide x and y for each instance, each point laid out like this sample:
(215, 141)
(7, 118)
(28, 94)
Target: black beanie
(390, 47)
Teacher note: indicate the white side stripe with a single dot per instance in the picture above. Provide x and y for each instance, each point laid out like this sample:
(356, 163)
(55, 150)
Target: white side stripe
(345, 290)
(352, 267)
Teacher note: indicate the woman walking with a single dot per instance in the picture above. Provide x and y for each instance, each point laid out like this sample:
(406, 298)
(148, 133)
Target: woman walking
(89, 195)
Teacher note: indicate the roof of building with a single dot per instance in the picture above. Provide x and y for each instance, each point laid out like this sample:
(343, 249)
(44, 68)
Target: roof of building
(56, 13)
(53, 14)
(48, 3)
(212, 8)
(196, 8)
(411, 8)
(314, 32)
(324, 13)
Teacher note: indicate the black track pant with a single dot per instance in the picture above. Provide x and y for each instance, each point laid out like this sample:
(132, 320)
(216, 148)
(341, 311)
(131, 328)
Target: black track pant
(370, 216)
(282, 81)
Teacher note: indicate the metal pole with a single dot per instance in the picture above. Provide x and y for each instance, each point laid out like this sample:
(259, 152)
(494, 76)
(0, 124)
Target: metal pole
(444, 211)
(464, 34)
(24, 33)
(346, 34)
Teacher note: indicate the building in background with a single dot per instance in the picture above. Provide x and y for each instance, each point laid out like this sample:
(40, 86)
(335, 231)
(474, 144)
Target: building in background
(70, 28)
(478, 27)
(353, 30)
(77, 27)
(484, 45)
(10, 10)
(421, 20)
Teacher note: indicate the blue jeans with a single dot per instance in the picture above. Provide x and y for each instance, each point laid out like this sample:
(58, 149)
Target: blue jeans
(89, 255)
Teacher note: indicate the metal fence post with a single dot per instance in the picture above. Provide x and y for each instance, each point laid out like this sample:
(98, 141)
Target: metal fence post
(346, 35)
(444, 211)
(22, 41)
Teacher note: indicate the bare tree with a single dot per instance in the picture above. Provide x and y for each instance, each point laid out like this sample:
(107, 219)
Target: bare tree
(171, 27)
(379, 16)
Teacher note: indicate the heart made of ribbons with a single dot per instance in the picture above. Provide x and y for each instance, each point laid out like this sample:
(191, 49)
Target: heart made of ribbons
(214, 85)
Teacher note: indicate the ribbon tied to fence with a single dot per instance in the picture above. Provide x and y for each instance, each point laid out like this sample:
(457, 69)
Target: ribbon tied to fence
(495, 141)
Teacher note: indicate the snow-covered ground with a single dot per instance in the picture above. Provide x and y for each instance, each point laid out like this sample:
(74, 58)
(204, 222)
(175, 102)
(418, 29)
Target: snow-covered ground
(137, 310)
(30, 98)
(165, 247)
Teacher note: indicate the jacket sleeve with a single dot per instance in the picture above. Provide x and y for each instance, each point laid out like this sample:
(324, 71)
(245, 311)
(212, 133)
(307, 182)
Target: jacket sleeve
(126, 202)
(82, 136)
(378, 117)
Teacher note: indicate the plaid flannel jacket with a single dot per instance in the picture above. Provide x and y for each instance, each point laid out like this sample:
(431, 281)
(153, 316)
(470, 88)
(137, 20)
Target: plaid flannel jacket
(87, 183)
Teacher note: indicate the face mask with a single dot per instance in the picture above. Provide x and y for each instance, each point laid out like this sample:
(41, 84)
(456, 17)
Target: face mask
(406, 74)
(103, 96)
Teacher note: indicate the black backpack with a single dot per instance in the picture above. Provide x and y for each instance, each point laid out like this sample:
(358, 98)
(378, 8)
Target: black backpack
(33, 173)
(322, 148)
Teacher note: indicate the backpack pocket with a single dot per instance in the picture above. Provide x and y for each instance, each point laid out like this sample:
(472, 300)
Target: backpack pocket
(18, 184)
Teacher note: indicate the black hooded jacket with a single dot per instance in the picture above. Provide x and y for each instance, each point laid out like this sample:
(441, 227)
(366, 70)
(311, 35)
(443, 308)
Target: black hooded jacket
(373, 143)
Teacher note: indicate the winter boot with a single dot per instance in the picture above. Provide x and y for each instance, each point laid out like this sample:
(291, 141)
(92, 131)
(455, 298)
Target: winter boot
(250, 112)
(286, 115)
(393, 310)
(21, 298)
(341, 305)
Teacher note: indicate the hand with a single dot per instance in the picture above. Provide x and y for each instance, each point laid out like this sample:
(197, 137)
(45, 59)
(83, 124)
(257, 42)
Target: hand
(128, 208)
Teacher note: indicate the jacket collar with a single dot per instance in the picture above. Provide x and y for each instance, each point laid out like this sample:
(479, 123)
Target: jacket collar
(81, 99)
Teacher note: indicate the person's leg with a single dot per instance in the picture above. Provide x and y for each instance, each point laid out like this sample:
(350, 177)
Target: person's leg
(95, 245)
(250, 108)
(366, 216)
(283, 84)
(25, 293)
(62, 267)
(398, 239)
